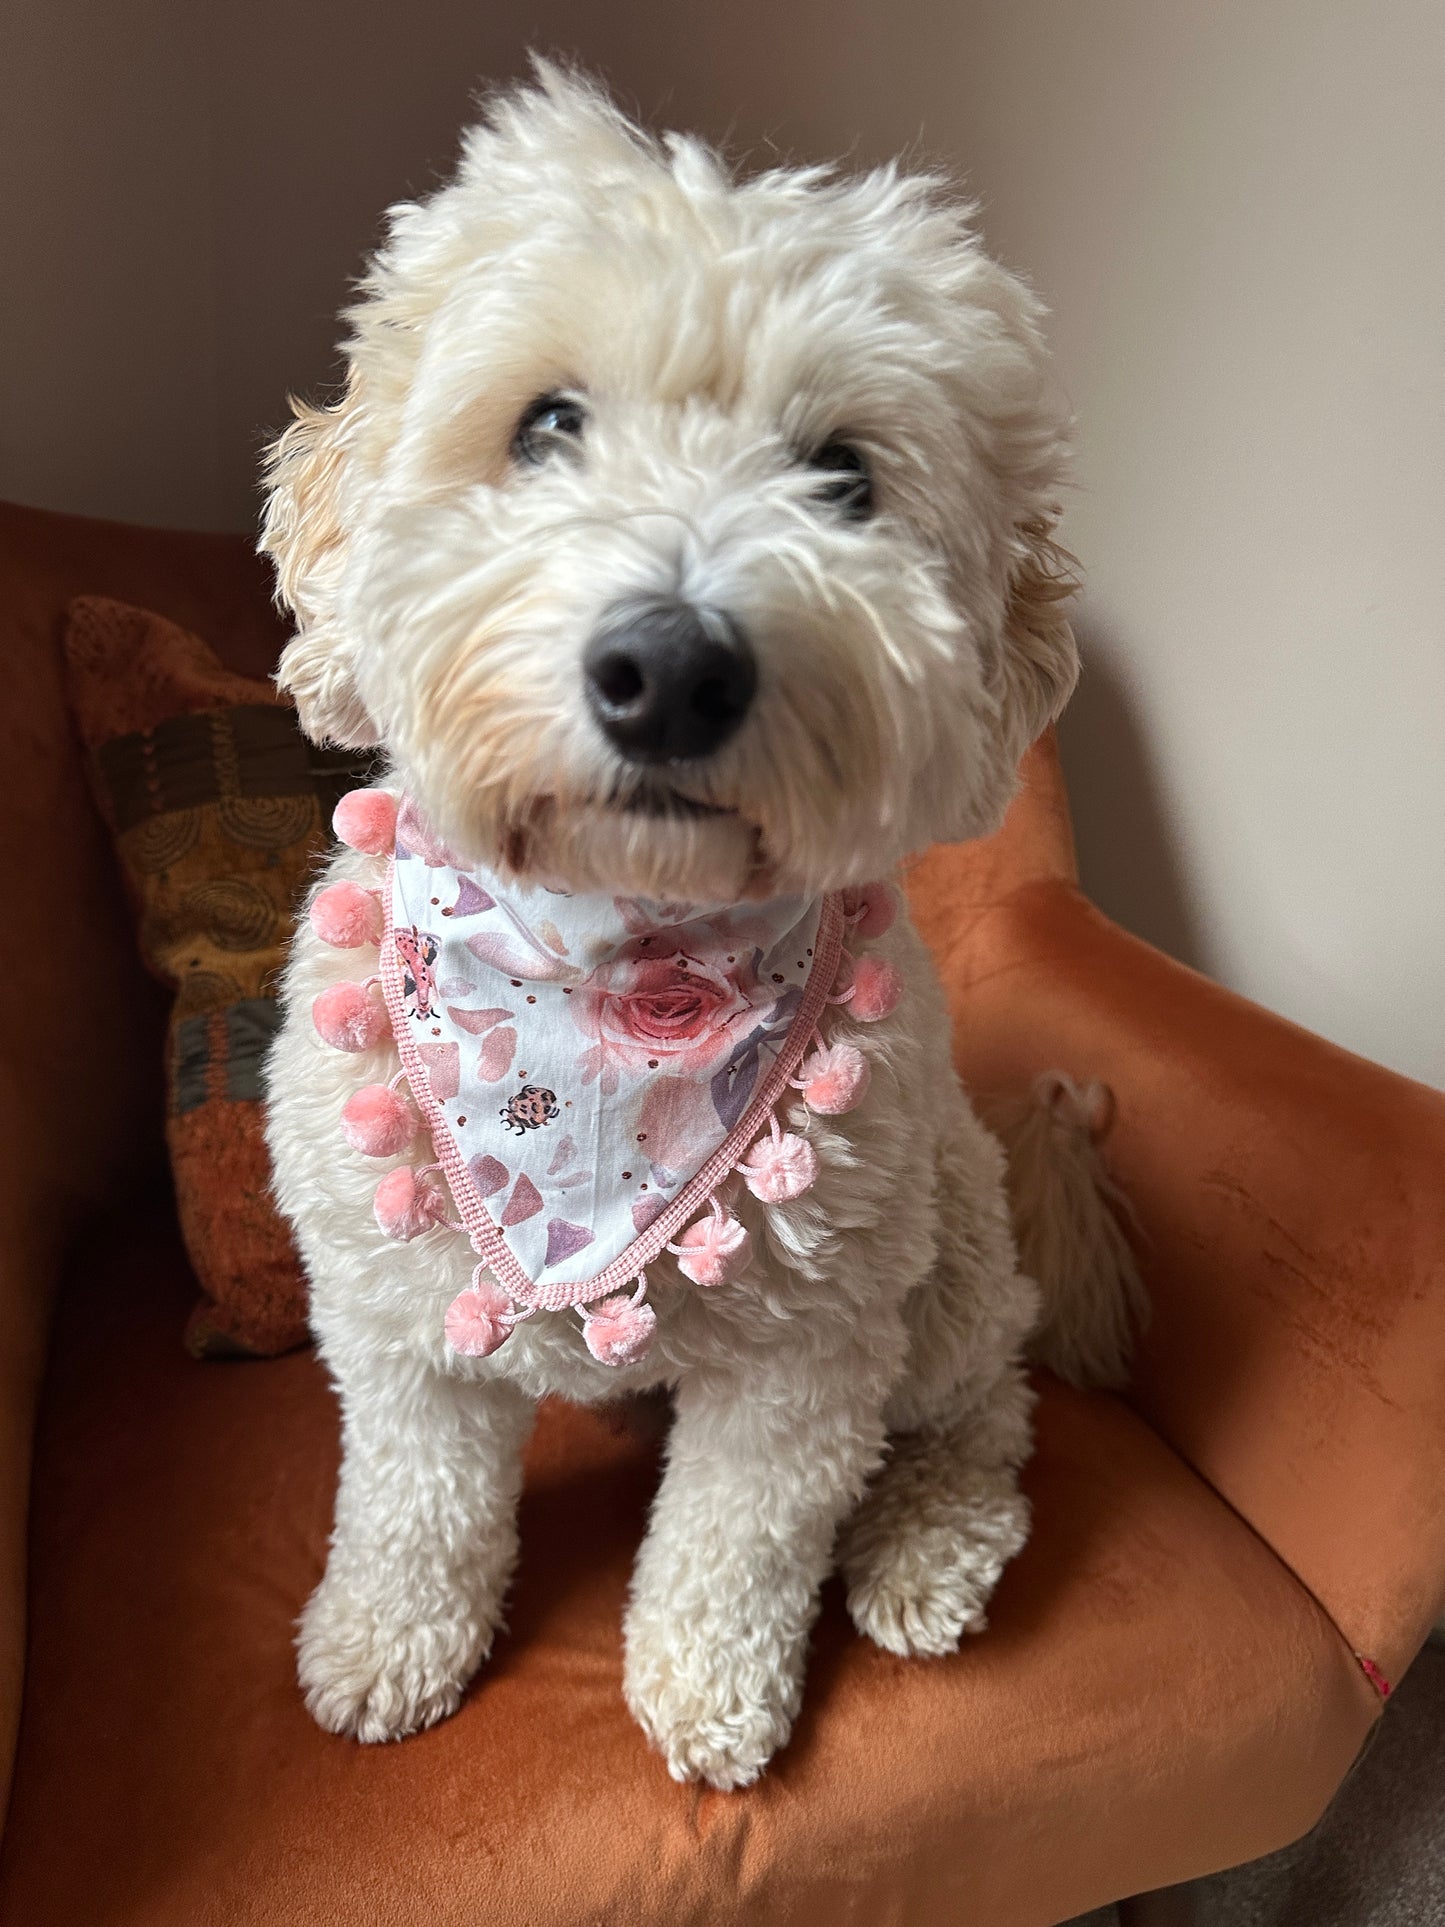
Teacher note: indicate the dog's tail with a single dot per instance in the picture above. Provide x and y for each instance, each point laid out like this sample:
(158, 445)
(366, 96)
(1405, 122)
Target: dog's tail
(1067, 1214)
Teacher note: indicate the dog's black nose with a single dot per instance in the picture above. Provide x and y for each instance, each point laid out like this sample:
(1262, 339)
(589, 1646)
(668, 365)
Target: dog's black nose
(668, 682)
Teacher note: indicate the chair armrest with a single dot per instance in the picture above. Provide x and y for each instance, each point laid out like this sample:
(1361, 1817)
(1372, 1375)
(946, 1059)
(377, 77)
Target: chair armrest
(1290, 1200)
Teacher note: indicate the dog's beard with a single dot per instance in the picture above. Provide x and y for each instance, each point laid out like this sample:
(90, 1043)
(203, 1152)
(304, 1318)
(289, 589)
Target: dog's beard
(637, 848)
(577, 821)
(794, 808)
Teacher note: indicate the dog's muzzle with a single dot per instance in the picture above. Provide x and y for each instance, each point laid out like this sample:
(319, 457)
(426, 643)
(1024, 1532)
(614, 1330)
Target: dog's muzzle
(668, 682)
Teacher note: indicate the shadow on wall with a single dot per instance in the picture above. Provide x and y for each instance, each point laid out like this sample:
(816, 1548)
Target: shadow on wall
(1130, 861)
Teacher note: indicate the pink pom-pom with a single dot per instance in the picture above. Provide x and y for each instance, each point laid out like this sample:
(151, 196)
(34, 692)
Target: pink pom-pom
(870, 909)
(780, 1168)
(350, 1016)
(346, 916)
(377, 1122)
(407, 1205)
(834, 1080)
(475, 1320)
(877, 987)
(714, 1250)
(366, 819)
(619, 1332)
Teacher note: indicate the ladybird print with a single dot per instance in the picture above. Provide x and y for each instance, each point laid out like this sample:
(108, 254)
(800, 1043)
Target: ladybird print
(529, 1109)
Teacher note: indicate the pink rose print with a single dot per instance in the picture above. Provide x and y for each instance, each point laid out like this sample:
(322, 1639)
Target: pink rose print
(657, 1005)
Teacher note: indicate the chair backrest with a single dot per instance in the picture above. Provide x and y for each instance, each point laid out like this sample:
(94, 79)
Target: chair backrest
(952, 884)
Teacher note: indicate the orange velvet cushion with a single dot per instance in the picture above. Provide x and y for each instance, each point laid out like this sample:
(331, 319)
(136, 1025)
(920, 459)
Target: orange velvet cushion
(1155, 1693)
(220, 812)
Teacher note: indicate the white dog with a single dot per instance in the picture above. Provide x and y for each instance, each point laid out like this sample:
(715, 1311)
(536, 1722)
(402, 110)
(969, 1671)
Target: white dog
(683, 541)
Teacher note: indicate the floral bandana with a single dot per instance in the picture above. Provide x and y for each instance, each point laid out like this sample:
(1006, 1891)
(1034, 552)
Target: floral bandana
(591, 1070)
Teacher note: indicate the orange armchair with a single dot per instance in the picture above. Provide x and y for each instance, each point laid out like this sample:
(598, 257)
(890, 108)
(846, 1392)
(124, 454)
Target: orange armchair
(1226, 1568)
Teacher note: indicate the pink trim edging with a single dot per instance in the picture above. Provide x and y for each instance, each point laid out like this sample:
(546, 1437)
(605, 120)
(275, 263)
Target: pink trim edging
(486, 1236)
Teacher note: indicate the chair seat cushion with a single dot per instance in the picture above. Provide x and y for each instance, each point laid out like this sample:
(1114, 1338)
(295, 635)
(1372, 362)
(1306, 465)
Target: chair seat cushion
(1155, 1695)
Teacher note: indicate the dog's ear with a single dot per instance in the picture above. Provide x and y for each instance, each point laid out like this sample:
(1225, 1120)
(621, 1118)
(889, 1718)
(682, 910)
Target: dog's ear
(305, 535)
(1040, 659)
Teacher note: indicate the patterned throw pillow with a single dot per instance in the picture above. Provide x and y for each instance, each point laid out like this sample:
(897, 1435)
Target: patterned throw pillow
(220, 810)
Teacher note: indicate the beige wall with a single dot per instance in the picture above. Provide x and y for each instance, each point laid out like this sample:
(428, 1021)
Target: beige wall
(1238, 214)
(107, 283)
(1235, 208)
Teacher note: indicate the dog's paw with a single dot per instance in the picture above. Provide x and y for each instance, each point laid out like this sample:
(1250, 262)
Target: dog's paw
(917, 1585)
(713, 1715)
(373, 1679)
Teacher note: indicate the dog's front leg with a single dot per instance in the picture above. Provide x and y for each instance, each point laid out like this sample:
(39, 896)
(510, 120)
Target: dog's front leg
(763, 1464)
(422, 1551)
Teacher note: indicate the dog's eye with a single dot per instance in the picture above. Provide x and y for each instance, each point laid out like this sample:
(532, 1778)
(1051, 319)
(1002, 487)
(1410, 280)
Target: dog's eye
(849, 484)
(551, 422)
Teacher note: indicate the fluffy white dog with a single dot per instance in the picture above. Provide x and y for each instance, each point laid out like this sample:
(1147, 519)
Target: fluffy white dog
(680, 537)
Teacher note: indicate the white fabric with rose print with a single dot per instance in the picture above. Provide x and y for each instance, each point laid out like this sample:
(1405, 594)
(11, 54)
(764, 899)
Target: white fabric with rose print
(588, 1054)
(591, 1069)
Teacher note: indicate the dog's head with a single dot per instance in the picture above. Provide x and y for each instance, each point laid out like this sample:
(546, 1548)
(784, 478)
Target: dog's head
(679, 534)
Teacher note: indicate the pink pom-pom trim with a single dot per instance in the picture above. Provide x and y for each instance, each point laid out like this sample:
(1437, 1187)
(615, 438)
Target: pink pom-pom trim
(350, 1016)
(618, 1331)
(366, 819)
(877, 987)
(377, 1122)
(834, 1080)
(346, 916)
(476, 1323)
(871, 909)
(407, 1204)
(714, 1250)
(780, 1168)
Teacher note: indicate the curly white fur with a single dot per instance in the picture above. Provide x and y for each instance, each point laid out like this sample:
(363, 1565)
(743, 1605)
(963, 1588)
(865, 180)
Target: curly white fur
(1069, 1219)
(718, 331)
